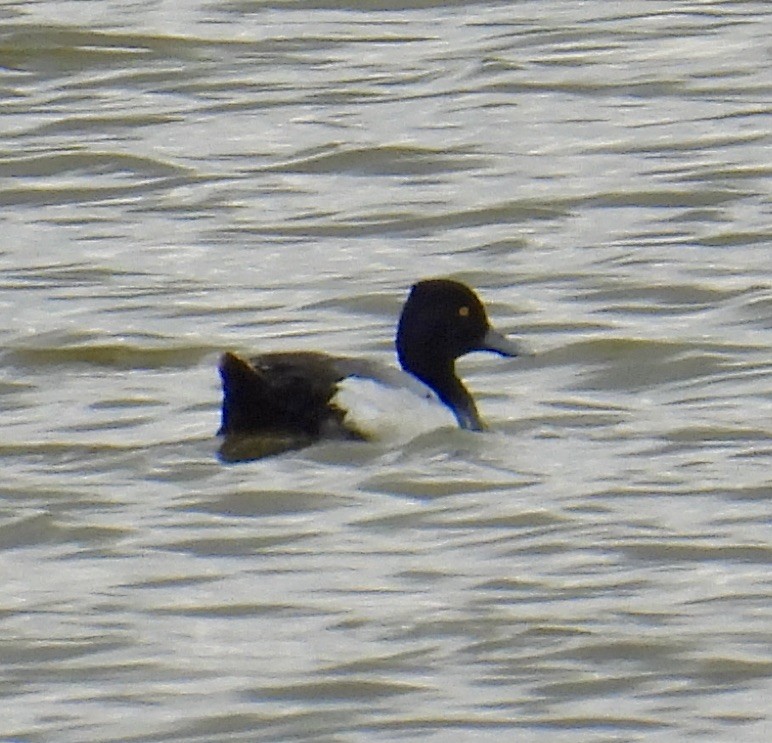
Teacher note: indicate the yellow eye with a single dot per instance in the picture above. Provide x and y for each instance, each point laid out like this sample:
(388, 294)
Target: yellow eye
(463, 311)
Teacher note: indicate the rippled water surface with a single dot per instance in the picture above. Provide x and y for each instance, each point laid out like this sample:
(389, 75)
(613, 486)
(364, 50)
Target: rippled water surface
(181, 178)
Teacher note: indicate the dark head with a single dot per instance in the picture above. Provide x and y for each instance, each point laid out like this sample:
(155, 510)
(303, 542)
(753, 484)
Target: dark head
(441, 321)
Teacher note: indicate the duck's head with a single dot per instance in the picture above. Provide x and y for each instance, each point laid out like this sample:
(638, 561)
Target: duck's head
(441, 321)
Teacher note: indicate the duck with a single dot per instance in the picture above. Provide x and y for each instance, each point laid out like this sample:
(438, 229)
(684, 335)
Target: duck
(290, 399)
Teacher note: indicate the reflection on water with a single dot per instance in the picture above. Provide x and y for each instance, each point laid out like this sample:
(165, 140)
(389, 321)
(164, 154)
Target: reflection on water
(177, 181)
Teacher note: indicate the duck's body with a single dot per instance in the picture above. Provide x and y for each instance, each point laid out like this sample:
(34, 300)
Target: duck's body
(297, 398)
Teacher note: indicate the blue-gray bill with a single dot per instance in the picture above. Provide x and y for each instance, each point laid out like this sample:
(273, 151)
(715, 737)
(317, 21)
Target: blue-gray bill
(499, 343)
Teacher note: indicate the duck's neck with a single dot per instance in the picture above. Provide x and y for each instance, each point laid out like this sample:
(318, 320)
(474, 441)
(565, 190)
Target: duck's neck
(451, 391)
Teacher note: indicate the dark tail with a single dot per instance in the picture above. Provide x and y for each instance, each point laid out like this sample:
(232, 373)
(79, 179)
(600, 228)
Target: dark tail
(243, 395)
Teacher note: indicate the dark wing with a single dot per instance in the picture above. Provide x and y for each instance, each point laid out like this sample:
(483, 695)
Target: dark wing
(284, 393)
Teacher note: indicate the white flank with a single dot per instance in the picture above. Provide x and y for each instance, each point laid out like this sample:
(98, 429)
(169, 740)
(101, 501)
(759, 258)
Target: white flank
(380, 411)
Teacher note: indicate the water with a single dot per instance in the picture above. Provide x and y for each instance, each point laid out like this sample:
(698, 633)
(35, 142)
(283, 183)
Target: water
(181, 180)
